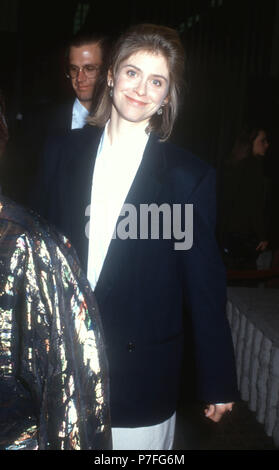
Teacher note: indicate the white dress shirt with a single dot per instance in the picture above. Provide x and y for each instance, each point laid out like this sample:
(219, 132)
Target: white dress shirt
(79, 115)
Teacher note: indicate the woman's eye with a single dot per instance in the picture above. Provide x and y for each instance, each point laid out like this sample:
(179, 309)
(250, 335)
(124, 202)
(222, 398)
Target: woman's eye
(156, 82)
(131, 73)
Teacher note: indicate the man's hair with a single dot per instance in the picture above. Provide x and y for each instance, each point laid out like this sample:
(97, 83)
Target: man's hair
(158, 40)
(84, 38)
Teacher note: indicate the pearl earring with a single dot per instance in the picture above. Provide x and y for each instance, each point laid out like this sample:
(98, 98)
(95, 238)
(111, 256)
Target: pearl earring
(110, 89)
(160, 111)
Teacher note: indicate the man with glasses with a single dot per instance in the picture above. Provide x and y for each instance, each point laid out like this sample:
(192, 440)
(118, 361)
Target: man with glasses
(83, 62)
(84, 58)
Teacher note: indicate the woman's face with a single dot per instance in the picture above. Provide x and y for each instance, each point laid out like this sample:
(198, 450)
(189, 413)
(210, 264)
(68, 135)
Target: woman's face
(141, 86)
(260, 144)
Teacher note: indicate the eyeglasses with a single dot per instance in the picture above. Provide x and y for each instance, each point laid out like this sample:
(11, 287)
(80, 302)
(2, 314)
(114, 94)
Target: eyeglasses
(90, 71)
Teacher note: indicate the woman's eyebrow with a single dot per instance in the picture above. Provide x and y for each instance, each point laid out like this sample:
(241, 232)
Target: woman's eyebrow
(132, 65)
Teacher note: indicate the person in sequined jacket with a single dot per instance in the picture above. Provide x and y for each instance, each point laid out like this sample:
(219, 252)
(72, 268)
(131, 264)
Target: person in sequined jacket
(53, 366)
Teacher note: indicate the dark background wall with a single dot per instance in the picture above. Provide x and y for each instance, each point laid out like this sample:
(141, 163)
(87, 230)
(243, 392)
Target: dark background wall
(232, 50)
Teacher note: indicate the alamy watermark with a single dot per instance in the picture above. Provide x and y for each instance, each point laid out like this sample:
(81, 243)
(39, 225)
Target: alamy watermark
(150, 221)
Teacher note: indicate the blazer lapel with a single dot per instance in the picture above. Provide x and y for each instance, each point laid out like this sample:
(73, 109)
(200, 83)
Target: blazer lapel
(150, 175)
(145, 189)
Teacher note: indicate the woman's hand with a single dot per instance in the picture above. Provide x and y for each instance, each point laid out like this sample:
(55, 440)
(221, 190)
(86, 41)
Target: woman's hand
(215, 412)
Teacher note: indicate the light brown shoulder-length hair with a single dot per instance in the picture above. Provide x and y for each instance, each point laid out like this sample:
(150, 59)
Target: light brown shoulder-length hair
(152, 38)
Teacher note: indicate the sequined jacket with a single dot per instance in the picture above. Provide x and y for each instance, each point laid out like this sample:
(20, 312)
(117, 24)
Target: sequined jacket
(53, 367)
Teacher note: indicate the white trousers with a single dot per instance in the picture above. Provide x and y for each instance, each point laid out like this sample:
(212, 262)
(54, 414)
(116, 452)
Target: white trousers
(157, 437)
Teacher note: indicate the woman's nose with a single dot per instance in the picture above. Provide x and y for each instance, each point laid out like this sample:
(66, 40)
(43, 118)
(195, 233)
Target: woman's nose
(141, 88)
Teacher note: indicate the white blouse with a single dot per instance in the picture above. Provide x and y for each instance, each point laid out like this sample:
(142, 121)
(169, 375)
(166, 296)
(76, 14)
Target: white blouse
(114, 172)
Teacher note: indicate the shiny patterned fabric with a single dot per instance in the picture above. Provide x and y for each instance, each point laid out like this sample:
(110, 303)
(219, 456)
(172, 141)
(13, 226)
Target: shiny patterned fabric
(53, 368)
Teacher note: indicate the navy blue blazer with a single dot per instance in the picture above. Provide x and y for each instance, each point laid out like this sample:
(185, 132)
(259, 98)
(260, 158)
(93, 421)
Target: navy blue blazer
(145, 285)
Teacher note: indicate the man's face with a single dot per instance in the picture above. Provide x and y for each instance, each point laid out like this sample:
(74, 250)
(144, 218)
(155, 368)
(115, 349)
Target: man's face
(83, 60)
(260, 144)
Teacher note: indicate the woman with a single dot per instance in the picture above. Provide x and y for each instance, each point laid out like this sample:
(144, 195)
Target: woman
(143, 281)
(246, 197)
(53, 371)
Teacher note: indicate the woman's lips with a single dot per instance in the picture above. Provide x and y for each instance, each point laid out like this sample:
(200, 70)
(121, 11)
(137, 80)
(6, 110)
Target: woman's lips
(136, 102)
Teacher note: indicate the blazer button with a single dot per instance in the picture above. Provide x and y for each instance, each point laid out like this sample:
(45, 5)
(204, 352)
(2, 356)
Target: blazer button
(131, 346)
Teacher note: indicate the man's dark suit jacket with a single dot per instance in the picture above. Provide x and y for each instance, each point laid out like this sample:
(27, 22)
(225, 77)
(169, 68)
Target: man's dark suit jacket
(61, 117)
(145, 284)
(25, 148)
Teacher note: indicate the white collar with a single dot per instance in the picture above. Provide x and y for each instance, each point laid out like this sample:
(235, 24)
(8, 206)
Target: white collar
(131, 147)
(79, 115)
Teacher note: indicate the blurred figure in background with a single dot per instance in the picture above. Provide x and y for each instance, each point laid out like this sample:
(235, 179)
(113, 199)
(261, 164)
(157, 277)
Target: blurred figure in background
(245, 211)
